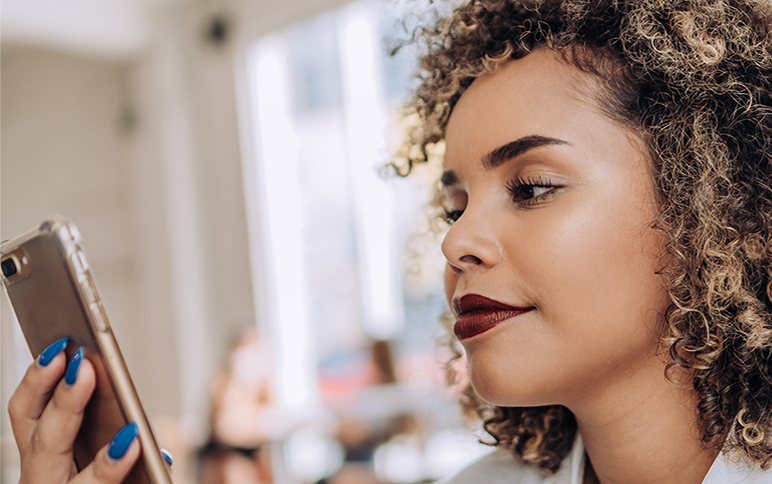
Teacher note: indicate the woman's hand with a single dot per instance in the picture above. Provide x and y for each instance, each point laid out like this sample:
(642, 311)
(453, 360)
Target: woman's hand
(46, 412)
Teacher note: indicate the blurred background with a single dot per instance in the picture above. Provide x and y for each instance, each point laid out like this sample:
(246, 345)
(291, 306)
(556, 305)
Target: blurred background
(277, 301)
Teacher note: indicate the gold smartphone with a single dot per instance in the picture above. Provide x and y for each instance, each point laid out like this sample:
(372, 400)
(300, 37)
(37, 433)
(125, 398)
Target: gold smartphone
(52, 291)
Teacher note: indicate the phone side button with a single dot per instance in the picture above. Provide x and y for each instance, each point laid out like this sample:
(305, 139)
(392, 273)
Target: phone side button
(88, 288)
(99, 317)
(79, 261)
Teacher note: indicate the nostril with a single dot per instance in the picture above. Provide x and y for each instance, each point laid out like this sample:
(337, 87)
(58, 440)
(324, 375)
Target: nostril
(471, 259)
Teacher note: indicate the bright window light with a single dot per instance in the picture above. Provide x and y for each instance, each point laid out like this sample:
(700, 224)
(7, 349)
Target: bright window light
(282, 230)
(365, 124)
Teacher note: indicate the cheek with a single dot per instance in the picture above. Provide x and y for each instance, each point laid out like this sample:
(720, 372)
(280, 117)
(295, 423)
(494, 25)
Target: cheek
(597, 264)
(590, 269)
(451, 278)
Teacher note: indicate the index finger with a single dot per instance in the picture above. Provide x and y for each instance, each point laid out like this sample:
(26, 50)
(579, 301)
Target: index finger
(35, 389)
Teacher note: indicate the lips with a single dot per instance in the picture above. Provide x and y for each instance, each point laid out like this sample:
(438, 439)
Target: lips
(477, 314)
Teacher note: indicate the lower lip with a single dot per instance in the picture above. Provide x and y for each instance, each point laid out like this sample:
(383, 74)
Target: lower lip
(478, 323)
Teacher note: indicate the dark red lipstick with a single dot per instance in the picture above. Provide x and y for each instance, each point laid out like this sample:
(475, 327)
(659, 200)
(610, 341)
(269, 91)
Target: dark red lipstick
(477, 314)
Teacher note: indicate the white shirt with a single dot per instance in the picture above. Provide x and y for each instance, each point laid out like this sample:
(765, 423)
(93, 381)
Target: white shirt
(500, 467)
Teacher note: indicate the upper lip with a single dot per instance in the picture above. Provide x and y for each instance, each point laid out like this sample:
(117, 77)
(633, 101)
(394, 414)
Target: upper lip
(474, 303)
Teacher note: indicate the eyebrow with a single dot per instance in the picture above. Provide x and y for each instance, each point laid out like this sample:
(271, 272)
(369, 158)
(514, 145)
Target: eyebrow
(513, 149)
(507, 152)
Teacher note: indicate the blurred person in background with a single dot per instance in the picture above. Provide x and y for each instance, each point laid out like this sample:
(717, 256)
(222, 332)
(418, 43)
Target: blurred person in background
(244, 417)
(361, 435)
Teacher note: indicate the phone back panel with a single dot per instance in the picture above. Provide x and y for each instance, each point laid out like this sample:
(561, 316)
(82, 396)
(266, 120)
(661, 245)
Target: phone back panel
(54, 296)
(57, 311)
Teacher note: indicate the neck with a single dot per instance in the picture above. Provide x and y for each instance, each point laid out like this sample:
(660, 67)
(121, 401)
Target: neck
(642, 430)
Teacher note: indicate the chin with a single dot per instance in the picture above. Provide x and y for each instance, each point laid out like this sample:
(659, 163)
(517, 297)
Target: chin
(508, 390)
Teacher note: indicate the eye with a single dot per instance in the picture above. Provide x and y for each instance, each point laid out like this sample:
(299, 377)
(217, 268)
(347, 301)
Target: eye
(450, 216)
(528, 191)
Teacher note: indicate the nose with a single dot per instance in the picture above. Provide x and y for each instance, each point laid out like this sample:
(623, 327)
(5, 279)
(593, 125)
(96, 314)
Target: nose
(470, 243)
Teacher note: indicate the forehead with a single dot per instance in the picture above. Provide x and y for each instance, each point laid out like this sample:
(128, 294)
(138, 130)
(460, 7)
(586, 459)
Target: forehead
(539, 94)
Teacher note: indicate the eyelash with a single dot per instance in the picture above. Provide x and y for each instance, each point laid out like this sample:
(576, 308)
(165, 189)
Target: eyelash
(449, 216)
(514, 188)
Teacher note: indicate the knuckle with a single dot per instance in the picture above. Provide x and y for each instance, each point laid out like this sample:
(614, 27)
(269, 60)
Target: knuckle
(37, 444)
(13, 406)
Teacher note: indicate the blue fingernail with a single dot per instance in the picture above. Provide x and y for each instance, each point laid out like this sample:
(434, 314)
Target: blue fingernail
(73, 367)
(51, 351)
(122, 441)
(167, 456)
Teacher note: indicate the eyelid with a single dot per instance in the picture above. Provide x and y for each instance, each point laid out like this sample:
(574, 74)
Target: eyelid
(515, 185)
(448, 211)
(453, 196)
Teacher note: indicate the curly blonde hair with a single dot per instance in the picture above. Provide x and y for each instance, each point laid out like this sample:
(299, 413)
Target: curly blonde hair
(694, 79)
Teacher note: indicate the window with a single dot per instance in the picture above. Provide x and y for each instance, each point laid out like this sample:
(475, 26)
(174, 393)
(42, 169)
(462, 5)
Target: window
(326, 115)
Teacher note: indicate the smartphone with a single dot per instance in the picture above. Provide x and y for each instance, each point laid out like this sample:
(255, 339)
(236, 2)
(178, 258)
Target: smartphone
(53, 292)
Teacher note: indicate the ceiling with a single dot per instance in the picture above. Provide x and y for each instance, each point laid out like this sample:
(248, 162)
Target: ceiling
(113, 29)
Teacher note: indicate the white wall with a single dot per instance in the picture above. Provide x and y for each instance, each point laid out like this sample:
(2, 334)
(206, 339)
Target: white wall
(143, 154)
(65, 149)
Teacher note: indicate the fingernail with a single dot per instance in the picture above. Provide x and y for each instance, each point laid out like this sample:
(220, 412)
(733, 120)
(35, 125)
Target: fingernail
(122, 441)
(73, 367)
(51, 351)
(167, 456)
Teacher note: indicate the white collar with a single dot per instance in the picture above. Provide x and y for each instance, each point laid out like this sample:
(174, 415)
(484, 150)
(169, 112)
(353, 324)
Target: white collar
(572, 469)
(725, 471)
(722, 471)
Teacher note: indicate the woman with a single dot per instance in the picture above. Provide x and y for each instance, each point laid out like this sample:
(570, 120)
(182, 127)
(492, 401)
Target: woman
(607, 177)
(608, 183)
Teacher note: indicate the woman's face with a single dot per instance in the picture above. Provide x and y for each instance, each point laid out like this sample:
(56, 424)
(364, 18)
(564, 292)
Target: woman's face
(553, 204)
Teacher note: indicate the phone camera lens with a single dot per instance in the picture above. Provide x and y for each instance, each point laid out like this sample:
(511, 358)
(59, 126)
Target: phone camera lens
(9, 267)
